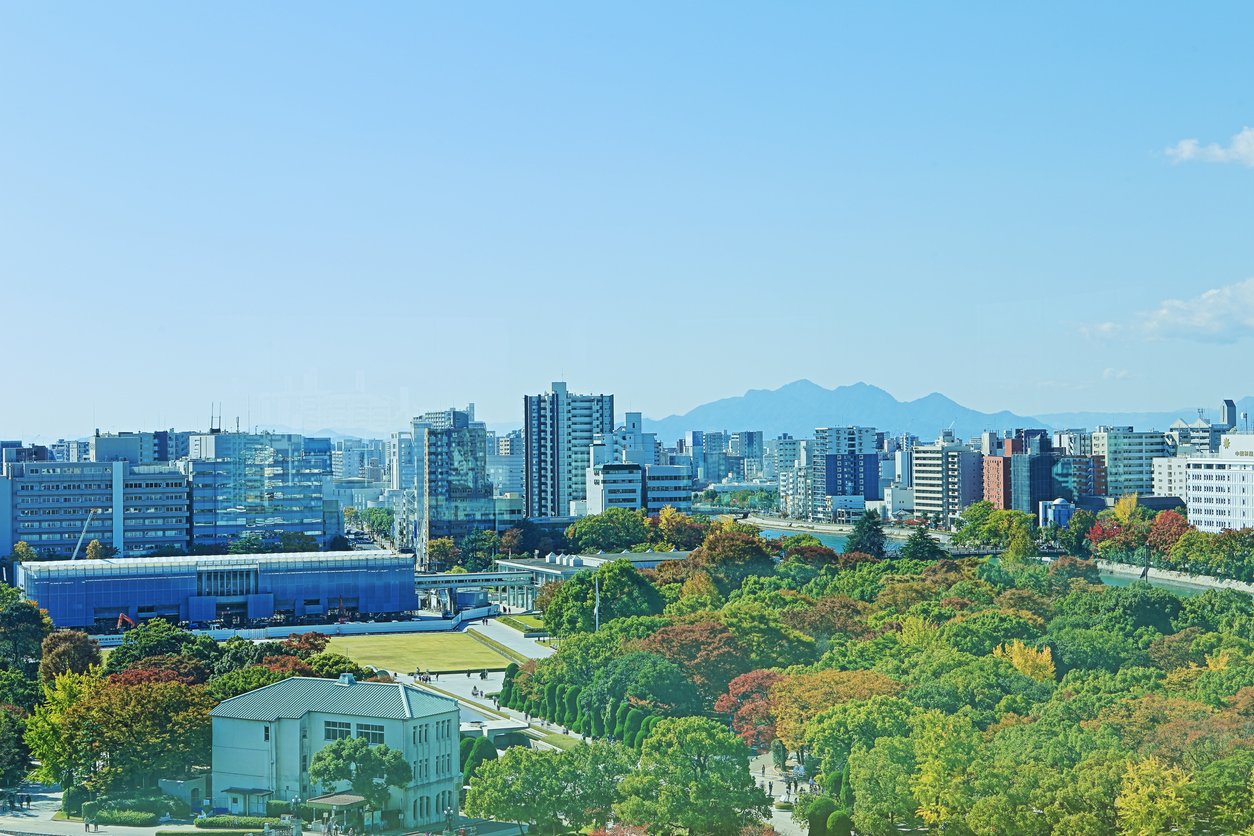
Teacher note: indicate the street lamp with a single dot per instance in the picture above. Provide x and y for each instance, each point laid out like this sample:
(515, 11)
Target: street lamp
(449, 812)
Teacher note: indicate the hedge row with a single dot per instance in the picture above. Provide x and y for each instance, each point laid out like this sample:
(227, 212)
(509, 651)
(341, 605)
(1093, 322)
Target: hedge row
(93, 812)
(274, 809)
(561, 704)
(235, 822)
(215, 833)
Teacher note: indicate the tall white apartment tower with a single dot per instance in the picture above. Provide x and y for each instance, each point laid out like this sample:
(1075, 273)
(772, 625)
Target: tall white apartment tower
(558, 429)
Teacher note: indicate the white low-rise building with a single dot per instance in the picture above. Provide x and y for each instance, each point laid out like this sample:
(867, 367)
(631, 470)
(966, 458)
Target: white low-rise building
(265, 740)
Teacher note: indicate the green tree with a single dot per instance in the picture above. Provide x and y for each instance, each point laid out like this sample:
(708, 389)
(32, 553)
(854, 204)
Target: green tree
(589, 776)
(1074, 538)
(250, 542)
(523, 785)
(18, 690)
(46, 731)
(14, 754)
(296, 541)
(157, 637)
(330, 665)
(693, 774)
(118, 736)
(729, 557)
(243, 680)
(339, 543)
(97, 550)
(613, 530)
(67, 650)
(867, 536)
(442, 554)
(371, 771)
(833, 735)
(922, 546)
(624, 592)
(23, 627)
(481, 750)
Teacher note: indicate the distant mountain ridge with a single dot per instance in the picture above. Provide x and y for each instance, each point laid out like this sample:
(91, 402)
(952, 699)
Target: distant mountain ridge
(798, 407)
(1146, 420)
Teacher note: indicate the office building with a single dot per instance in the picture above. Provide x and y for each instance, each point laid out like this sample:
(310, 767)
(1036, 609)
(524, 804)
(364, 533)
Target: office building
(1219, 488)
(558, 429)
(257, 483)
(506, 464)
(134, 509)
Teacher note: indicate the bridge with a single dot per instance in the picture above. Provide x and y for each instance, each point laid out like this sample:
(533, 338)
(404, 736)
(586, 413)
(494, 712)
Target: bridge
(519, 587)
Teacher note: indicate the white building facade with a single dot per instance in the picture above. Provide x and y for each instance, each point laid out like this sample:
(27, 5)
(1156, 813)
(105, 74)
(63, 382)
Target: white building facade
(265, 740)
(1219, 489)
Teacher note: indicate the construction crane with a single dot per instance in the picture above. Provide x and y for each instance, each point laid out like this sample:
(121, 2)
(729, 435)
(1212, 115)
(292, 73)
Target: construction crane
(79, 544)
(123, 618)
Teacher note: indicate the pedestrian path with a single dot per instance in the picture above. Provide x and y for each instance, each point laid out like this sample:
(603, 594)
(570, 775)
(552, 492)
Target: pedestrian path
(512, 639)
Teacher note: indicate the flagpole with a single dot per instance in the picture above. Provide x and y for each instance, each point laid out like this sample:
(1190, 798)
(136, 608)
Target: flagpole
(596, 609)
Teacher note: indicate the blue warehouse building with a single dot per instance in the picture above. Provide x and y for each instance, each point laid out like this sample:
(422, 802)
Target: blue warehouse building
(231, 589)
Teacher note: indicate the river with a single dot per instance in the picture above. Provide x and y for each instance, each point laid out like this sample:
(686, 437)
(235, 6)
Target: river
(1183, 588)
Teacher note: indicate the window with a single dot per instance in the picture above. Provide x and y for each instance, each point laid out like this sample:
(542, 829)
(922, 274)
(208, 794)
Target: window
(371, 733)
(335, 730)
(265, 731)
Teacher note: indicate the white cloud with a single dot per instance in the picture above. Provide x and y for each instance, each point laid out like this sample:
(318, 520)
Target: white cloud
(1220, 315)
(1115, 374)
(1239, 150)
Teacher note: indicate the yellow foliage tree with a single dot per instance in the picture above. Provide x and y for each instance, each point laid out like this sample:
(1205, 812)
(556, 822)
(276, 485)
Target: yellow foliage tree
(1151, 799)
(945, 746)
(1125, 508)
(1037, 664)
(799, 698)
(918, 633)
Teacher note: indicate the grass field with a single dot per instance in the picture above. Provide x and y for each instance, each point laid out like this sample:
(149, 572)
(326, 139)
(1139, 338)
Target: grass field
(533, 621)
(405, 652)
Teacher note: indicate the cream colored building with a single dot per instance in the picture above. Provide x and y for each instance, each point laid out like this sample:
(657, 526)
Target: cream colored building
(264, 741)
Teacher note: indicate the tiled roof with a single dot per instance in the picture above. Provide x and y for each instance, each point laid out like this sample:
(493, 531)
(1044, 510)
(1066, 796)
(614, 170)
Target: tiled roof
(297, 696)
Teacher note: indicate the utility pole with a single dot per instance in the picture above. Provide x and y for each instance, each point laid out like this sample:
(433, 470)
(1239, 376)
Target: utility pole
(596, 608)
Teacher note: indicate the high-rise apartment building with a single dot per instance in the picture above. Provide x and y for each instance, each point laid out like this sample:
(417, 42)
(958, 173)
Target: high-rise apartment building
(831, 443)
(1128, 458)
(558, 429)
(947, 476)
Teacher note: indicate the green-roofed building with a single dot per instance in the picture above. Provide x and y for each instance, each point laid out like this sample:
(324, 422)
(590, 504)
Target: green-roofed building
(264, 741)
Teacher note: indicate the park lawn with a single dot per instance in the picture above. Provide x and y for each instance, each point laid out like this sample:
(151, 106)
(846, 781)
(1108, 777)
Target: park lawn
(405, 652)
(534, 621)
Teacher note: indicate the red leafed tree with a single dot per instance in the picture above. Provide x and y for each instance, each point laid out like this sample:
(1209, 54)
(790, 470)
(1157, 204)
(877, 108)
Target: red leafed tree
(285, 664)
(706, 651)
(1167, 528)
(305, 645)
(748, 700)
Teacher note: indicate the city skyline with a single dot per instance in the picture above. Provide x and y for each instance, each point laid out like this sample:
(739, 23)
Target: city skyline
(1022, 209)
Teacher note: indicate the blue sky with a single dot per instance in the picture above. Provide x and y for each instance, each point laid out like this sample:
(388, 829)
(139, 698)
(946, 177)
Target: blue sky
(329, 214)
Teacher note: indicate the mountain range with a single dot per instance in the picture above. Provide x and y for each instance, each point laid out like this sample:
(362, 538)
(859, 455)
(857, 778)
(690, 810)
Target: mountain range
(798, 407)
